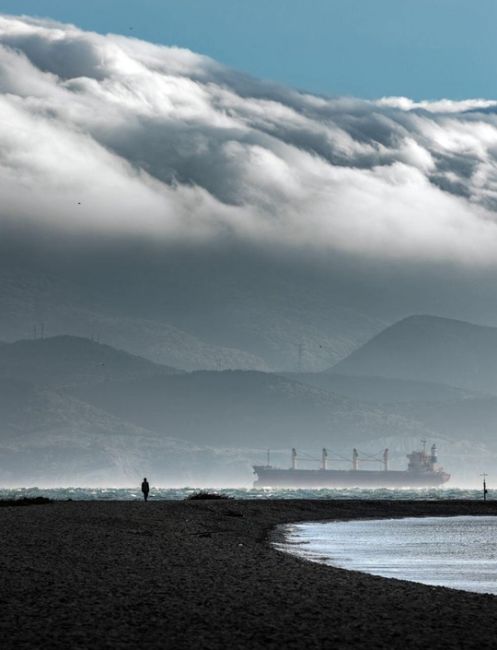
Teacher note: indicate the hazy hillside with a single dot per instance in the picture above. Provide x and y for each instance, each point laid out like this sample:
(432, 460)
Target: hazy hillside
(279, 318)
(27, 411)
(221, 320)
(469, 419)
(239, 409)
(49, 438)
(68, 360)
(428, 348)
(66, 307)
(75, 411)
(46, 435)
(381, 389)
(80, 426)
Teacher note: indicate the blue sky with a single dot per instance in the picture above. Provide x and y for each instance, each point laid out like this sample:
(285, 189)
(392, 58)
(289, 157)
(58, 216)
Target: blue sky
(424, 49)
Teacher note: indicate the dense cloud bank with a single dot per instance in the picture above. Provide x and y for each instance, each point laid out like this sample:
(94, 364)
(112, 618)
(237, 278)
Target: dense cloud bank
(112, 135)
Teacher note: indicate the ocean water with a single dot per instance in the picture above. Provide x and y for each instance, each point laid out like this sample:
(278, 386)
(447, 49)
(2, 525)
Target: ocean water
(158, 493)
(456, 552)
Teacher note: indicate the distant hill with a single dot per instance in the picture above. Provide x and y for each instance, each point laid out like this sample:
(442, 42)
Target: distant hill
(52, 439)
(26, 410)
(220, 319)
(468, 419)
(276, 326)
(429, 348)
(70, 360)
(382, 390)
(67, 308)
(55, 437)
(245, 409)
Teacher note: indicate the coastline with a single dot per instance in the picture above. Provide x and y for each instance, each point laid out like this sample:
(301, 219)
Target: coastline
(203, 574)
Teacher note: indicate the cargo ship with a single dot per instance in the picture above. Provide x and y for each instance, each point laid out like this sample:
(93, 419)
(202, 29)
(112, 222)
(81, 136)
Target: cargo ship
(422, 471)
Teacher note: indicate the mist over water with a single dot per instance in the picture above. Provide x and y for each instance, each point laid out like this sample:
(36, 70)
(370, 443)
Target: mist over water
(160, 494)
(456, 552)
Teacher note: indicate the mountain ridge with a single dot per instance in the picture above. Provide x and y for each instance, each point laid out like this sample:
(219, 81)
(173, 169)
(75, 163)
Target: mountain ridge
(229, 407)
(382, 390)
(429, 348)
(188, 322)
(65, 359)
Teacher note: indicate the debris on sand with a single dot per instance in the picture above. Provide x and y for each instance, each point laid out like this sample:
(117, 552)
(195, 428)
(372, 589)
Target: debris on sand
(204, 496)
(25, 501)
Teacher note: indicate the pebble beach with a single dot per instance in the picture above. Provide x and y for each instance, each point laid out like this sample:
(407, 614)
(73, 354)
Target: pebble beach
(204, 574)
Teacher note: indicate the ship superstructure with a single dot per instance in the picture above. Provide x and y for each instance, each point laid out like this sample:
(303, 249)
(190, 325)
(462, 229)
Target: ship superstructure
(422, 471)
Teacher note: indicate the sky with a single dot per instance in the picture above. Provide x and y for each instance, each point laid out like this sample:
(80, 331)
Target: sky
(114, 148)
(423, 49)
(166, 143)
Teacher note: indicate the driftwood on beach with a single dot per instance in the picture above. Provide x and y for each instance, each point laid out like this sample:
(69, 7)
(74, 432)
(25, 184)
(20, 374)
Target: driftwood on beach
(203, 574)
(24, 501)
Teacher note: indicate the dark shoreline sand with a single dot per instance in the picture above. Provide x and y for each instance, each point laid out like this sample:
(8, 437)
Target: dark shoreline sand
(204, 575)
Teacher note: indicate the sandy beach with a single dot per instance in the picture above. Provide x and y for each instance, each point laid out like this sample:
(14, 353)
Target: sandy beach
(203, 574)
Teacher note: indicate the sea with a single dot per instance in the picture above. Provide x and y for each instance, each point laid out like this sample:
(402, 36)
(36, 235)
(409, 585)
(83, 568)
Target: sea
(158, 493)
(455, 552)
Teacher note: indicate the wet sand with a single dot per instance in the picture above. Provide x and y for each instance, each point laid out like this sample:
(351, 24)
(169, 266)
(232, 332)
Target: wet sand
(204, 575)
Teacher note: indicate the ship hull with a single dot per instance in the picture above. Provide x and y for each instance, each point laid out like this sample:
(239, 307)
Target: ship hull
(330, 478)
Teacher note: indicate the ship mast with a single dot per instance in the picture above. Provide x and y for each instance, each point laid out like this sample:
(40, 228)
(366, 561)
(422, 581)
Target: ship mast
(485, 491)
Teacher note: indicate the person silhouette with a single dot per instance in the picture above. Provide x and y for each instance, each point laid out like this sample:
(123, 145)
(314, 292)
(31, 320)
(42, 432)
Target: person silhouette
(145, 488)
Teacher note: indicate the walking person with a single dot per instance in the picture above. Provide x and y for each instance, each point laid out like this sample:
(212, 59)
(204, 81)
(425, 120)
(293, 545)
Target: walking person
(145, 488)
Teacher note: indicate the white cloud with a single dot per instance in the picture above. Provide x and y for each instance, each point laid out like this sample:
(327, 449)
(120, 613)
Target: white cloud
(113, 135)
(438, 106)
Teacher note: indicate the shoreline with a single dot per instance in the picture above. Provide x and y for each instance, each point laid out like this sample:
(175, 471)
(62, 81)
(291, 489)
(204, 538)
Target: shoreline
(157, 493)
(204, 574)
